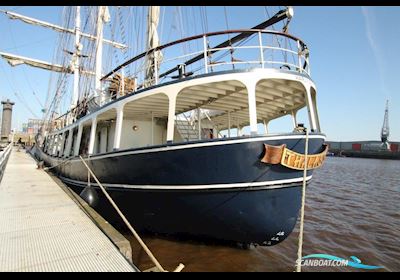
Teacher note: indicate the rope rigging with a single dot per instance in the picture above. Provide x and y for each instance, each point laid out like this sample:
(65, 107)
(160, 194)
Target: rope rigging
(26, 105)
(123, 38)
(63, 40)
(285, 29)
(12, 83)
(23, 68)
(229, 38)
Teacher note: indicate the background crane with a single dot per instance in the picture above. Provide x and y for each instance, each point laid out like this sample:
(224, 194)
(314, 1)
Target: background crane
(385, 127)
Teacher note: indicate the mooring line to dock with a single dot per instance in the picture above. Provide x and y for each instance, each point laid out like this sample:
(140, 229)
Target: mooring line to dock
(303, 202)
(141, 242)
(58, 164)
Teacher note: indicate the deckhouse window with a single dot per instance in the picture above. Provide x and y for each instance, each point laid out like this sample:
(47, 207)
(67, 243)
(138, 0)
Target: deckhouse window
(105, 132)
(64, 143)
(278, 103)
(145, 122)
(210, 111)
(84, 143)
(74, 140)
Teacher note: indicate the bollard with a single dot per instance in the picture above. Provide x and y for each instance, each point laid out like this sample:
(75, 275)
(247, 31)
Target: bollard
(40, 164)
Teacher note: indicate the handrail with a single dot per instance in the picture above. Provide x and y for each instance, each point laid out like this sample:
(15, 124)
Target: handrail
(189, 123)
(250, 55)
(5, 152)
(212, 122)
(209, 34)
(279, 16)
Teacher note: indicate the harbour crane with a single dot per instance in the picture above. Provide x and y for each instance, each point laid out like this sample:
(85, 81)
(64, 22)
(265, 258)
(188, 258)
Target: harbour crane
(385, 128)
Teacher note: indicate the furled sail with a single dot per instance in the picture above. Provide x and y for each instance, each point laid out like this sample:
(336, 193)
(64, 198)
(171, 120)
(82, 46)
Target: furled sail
(152, 42)
(15, 60)
(58, 28)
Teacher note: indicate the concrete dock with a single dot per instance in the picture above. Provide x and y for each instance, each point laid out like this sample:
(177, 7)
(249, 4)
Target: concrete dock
(42, 229)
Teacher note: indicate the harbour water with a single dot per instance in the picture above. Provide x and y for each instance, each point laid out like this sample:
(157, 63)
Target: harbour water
(352, 209)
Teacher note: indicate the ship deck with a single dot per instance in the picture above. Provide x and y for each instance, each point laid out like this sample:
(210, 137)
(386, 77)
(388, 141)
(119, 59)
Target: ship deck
(42, 229)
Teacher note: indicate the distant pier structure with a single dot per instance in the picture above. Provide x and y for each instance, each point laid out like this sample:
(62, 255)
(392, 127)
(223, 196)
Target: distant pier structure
(364, 149)
(369, 149)
(6, 120)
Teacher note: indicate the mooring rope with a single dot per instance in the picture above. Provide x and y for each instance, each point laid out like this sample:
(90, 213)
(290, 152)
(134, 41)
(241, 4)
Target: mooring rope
(58, 164)
(144, 246)
(303, 201)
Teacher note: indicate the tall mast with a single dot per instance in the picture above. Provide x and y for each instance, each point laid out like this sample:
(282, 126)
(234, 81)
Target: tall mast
(102, 16)
(154, 59)
(75, 57)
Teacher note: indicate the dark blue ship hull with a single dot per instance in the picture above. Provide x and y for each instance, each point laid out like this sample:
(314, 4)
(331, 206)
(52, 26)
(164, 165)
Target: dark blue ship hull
(216, 189)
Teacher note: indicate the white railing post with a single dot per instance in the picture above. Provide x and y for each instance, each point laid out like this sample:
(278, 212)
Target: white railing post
(261, 49)
(251, 92)
(265, 124)
(118, 128)
(239, 129)
(152, 128)
(78, 139)
(92, 135)
(311, 109)
(199, 122)
(294, 118)
(229, 124)
(171, 117)
(54, 145)
(205, 54)
(299, 55)
(67, 150)
(60, 144)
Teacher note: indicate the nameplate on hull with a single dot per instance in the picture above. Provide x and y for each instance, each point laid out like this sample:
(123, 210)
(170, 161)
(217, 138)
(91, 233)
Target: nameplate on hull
(291, 159)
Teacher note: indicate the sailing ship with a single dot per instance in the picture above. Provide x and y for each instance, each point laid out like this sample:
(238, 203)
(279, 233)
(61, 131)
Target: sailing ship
(182, 144)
